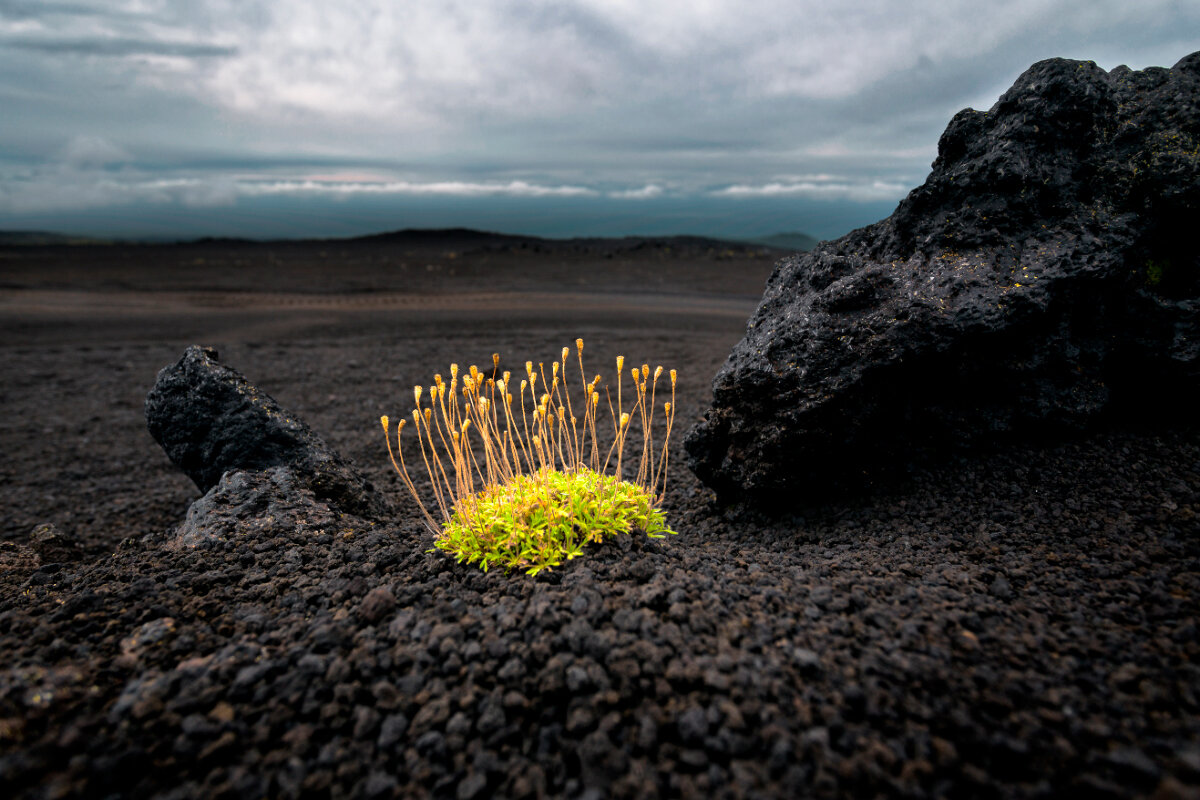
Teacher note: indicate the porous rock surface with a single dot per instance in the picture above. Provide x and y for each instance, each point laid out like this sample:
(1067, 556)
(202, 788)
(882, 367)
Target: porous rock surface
(209, 419)
(244, 501)
(967, 637)
(1044, 274)
(970, 639)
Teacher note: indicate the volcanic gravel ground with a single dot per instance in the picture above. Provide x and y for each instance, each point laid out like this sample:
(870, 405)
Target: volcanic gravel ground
(1020, 622)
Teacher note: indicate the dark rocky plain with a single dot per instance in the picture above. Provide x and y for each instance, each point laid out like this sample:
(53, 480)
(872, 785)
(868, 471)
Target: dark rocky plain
(1016, 620)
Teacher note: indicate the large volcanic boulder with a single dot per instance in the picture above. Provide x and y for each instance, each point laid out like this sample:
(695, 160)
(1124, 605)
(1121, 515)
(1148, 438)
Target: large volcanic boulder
(1045, 273)
(210, 420)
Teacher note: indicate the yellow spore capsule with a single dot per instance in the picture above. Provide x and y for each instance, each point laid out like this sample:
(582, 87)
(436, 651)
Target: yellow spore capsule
(624, 419)
(384, 421)
(645, 371)
(579, 345)
(417, 393)
(620, 363)
(672, 377)
(657, 371)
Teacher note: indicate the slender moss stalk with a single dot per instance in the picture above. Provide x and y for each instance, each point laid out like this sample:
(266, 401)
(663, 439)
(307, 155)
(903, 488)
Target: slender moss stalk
(542, 492)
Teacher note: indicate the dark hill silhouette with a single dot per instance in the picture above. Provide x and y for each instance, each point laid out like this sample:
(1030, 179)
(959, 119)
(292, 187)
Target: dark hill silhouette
(792, 240)
(459, 240)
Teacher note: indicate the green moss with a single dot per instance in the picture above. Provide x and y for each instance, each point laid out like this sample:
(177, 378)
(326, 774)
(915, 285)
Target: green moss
(544, 492)
(537, 521)
(1154, 272)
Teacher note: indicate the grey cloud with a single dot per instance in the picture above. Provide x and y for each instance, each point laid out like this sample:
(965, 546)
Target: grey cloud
(66, 186)
(28, 9)
(195, 160)
(117, 47)
(92, 152)
(691, 98)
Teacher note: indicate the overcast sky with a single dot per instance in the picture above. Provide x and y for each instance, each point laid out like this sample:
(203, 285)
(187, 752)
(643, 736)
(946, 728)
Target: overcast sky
(198, 112)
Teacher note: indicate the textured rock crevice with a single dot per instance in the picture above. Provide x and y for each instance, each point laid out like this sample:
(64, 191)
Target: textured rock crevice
(1045, 274)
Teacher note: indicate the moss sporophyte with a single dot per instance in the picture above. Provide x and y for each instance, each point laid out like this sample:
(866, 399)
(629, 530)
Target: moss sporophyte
(520, 483)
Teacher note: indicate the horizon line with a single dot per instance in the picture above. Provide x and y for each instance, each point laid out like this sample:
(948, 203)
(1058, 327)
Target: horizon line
(10, 237)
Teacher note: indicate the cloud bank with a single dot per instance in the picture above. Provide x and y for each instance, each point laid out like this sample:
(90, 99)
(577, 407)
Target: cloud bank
(205, 102)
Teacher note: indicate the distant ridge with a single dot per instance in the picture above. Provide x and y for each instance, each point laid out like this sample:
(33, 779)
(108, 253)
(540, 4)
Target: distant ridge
(438, 237)
(469, 238)
(794, 241)
(35, 238)
(452, 239)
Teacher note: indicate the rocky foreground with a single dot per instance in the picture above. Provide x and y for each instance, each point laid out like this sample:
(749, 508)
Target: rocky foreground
(1019, 624)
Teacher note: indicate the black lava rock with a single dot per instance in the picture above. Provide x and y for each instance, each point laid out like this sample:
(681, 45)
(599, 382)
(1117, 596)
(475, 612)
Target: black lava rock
(1046, 273)
(243, 501)
(52, 545)
(210, 420)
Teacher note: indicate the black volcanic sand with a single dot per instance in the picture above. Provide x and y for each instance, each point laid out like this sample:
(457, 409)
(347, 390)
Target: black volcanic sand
(1017, 623)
